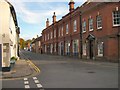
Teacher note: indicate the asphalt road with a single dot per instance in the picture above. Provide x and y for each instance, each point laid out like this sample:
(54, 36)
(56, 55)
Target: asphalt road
(65, 72)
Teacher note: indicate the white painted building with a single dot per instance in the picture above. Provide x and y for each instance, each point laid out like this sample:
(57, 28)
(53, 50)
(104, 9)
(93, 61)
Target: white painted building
(9, 33)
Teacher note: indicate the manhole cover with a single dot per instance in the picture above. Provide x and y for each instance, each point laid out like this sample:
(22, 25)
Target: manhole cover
(91, 72)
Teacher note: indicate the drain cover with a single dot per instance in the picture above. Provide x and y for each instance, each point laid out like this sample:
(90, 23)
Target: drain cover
(91, 72)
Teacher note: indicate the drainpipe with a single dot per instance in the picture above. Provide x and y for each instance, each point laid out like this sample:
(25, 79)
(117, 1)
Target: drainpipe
(118, 44)
(81, 51)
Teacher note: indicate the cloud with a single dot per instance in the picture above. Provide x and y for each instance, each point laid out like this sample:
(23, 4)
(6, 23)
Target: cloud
(37, 16)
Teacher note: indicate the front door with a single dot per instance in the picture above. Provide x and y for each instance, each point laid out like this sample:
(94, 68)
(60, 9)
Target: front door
(0, 55)
(62, 49)
(91, 49)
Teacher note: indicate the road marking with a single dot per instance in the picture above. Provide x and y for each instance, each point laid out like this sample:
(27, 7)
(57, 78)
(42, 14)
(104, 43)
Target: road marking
(39, 85)
(26, 82)
(27, 86)
(36, 81)
(35, 78)
(25, 79)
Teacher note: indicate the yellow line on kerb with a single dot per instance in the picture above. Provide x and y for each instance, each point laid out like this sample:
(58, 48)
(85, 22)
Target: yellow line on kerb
(34, 66)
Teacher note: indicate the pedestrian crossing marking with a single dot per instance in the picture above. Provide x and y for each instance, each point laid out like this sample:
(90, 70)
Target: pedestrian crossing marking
(25, 79)
(36, 81)
(39, 85)
(27, 86)
(34, 78)
(26, 82)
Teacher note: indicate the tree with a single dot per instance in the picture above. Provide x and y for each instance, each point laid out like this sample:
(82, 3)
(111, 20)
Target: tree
(22, 43)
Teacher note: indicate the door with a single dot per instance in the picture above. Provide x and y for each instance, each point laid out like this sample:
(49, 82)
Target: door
(0, 56)
(62, 49)
(91, 49)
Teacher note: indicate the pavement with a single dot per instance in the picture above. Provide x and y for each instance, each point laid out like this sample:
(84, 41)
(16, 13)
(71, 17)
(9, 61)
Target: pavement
(21, 69)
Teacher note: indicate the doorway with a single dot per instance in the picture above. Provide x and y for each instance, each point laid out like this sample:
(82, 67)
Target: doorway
(91, 49)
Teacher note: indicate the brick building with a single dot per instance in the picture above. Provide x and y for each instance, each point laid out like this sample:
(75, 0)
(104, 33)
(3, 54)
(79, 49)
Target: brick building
(90, 31)
(36, 45)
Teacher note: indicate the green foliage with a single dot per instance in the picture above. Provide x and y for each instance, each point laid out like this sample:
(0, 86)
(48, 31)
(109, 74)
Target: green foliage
(13, 58)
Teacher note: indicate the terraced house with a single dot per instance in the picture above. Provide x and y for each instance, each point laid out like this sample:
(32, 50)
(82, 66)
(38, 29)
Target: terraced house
(91, 31)
(9, 34)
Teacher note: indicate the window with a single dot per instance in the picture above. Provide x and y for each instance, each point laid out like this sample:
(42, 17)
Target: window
(67, 30)
(55, 47)
(45, 37)
(84, 49)
(54, 33)
(51, 48)
(90, 24)
(48, 36)
(51, 35)
(67, 48)
(75, 47)
(59, 31)
(75, 26)
(62, 31)
(100, 49)
(84, 26)
(116, 18)
(99, 22)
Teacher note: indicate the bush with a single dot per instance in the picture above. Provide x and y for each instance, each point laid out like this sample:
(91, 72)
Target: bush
(13, 58)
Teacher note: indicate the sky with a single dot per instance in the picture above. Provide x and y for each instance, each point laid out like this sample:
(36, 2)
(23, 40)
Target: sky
(32, 14)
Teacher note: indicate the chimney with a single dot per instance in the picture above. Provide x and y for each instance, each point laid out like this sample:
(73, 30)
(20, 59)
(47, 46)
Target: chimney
(71, 5)
(37, 36)
(47, 23)
(54, 18)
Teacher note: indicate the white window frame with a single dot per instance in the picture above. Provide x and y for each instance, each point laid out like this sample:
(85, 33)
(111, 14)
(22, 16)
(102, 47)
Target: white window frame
(51, 35)
(48, 36)
(75, 26)
(100, 46)
(62, 31)
(59, 31)
(55, 33)
(99, 22)
(115, 18)
(76, 49)
(55, 47)
(84, 27)
(67, 29)
(91, 24)
(84, 49)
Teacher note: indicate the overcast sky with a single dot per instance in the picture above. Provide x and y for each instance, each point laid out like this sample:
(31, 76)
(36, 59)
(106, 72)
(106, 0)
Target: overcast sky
(32, 15)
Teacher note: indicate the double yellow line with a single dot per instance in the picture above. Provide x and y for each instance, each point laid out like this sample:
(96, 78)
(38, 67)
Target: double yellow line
(34, 66)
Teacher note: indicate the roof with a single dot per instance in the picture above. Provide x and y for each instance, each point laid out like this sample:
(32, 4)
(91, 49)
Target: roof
(12, 10)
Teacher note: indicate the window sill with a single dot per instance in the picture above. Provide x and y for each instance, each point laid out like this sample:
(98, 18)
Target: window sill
(84, 32)
(99, 28)
(116, 25)
(91, 30)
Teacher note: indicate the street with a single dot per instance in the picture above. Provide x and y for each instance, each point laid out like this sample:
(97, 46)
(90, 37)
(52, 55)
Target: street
(66, 72)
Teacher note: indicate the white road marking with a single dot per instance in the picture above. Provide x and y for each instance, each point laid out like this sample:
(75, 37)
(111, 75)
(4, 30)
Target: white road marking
(27, 86)
(26, 82)
(35, 78)
(25, 79)
(39, 85)
(36, 81)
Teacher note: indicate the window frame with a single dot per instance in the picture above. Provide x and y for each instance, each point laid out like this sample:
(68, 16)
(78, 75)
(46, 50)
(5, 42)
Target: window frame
(113, 18)
(99, 21)
(90, 24)
(67, 29)
(99, 48)
(75, 26)
(84, 27)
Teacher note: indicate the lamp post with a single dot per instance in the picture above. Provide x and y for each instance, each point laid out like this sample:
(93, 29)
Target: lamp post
(81, 52)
